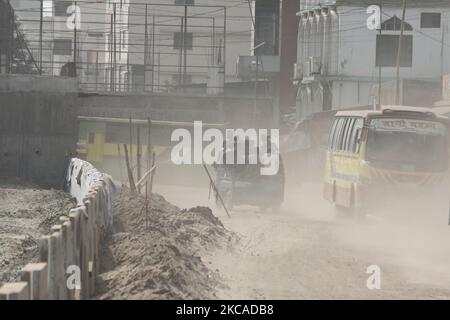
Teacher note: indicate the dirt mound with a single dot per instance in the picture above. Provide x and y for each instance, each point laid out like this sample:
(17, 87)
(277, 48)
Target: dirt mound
(26, 213)
(158, 257)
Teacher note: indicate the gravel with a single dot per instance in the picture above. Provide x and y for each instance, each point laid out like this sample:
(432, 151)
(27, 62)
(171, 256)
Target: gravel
(26, 213)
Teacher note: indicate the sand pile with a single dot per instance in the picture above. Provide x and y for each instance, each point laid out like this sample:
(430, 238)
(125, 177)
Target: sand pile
(163, 260)
(26, 213)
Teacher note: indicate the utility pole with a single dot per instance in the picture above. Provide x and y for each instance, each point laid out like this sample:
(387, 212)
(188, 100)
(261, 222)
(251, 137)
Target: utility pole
(111, 53)
(224, 46)
(213, 43)
(255, 47)
(115, 47)
(379, 68)
(153, 53)
(184, 48)
(399, 53)
(442, 48)
(146, 48)
(12, 26)
(96, 71)
(159, 71)
(40, 36)
(255, 107)
(180, 60)
(75, 44)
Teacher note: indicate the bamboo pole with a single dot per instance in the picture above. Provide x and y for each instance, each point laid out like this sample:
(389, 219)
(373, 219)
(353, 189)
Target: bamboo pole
(130, 173)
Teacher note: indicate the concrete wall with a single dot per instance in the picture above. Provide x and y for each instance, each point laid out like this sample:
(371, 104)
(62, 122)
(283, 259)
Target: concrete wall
(236, 112)
(38, 128)
(349, 94)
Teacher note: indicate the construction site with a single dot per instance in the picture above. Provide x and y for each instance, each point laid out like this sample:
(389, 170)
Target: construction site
(224, 150)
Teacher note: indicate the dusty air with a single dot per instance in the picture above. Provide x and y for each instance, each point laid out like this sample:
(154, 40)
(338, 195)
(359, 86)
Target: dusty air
(220, 157)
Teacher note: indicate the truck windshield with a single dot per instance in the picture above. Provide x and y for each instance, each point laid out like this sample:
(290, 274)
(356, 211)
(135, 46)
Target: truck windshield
(408, 145)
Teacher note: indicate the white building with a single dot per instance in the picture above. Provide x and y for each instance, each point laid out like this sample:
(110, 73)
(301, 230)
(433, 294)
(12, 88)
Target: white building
(89, 23)
(136, 44)
(115, 26)
(340, 53)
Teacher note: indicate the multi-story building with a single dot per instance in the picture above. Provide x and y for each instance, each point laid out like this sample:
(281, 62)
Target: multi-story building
(115, 50)
(76, 38)
(187, 43)
(117, 45)
(342, 49)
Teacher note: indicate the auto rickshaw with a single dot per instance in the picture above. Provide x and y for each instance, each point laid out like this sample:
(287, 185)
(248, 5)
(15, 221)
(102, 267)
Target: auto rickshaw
(243, 184)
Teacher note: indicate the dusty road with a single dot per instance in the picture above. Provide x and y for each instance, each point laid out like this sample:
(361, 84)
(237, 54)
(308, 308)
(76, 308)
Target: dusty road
(305, 252)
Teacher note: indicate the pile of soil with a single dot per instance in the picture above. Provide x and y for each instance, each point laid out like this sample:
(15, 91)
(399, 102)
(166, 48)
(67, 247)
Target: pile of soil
(26, 213)
(159, 257)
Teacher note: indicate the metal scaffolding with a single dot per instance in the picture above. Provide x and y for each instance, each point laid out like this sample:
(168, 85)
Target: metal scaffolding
(120, 46)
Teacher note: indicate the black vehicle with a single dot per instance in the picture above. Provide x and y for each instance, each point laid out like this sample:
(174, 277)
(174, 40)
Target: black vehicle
(243, 184)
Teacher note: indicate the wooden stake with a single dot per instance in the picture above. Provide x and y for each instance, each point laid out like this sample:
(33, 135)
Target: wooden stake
(120, 163)
(130, 173)
(216, 190)
(131, 143)
(149, 143)
(152, 174)
(138, 156)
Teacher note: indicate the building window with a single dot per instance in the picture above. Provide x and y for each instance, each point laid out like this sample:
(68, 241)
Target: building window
(387, 50)
(62, 47)
(430, 20)
(61, 8)
(178, 40)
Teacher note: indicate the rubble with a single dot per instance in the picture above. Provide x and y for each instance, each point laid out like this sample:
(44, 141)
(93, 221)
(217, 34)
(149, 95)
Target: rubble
(26, 213)
(163, 260)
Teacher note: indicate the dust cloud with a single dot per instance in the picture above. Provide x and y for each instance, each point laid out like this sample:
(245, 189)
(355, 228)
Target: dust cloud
(412, 236)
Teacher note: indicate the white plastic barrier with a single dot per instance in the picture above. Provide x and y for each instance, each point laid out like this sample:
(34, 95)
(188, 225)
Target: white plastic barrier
(80, 179)
(73, 247)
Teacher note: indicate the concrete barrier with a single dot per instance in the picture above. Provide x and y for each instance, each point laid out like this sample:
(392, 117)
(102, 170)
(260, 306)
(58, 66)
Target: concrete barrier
(69, 256)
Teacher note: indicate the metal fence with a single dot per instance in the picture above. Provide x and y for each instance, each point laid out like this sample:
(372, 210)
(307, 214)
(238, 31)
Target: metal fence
(122, 46)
